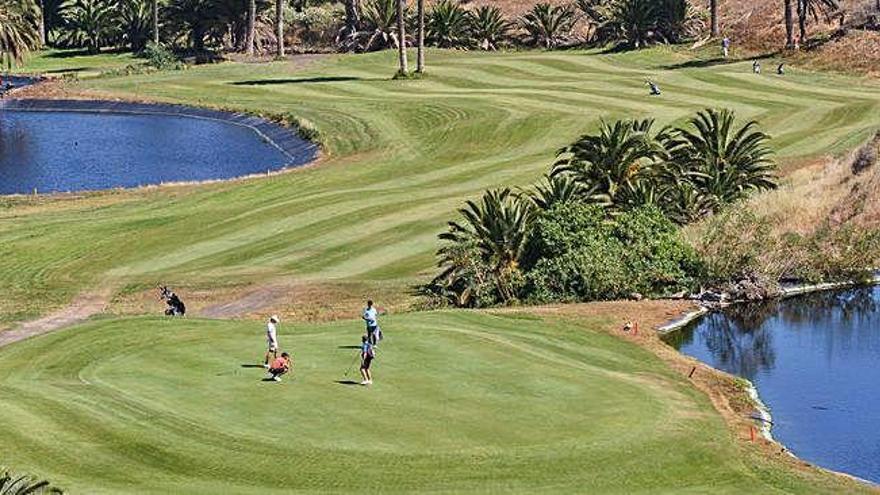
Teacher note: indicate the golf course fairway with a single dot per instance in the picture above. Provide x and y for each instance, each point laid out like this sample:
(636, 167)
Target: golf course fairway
(462, 402)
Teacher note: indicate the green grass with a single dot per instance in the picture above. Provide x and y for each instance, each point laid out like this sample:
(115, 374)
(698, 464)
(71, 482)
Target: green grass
(79, 63)
(462, 402)
(402, 156)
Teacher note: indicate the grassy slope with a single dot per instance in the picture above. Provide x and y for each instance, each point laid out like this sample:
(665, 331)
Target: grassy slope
(403, 156)
(463, 402)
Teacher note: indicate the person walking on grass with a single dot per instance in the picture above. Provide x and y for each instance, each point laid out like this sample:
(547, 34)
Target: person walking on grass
(368, 353)
(279, 367)
(272, 340)
(371, 318)
(725, 47)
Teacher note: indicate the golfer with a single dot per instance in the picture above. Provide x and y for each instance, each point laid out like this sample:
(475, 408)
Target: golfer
(279, 367)
(371, 318)
(272, 340)
(368, 353)
(725, 47)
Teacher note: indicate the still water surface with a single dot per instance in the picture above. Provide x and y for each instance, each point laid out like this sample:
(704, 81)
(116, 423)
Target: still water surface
(815, 360)
(74, 151)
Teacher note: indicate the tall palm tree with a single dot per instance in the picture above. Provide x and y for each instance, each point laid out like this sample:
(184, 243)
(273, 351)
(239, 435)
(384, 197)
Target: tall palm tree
(789, 25)
(250, 38)
(713, 13)
(814, 8)
(155, 21)
(19, 30)
(420, 57)
(401, 38)
(279, 27)
(725, 163)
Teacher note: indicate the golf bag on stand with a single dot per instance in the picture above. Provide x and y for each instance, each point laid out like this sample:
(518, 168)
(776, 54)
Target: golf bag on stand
(175, 305)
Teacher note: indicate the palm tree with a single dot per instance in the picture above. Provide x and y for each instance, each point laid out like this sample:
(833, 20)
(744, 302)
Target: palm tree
(554, 190)
(155, 21)
(724, 164)
(621, 155)
(279, 27)
(25, 485)
(713, 14)
(547, 26)
(789, 25)
(814, 8)
(403, 70)
(489, 27)
(498, 226)
(19, 31)
(420, 57)
(250, 38)
(90, 23)
(448, 25)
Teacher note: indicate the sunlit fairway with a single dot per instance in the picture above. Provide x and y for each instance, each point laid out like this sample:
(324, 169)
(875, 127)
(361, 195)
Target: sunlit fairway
(402, 155)
(462, 402)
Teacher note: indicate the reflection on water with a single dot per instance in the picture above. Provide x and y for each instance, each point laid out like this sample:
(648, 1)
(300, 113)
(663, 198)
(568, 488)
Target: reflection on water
(72, 151)
(815, 360)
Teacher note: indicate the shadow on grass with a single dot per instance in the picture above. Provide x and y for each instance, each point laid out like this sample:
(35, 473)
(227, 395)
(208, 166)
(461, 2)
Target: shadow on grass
(301, 80)
(62, 71)
(712, 62)
(348, 382)
(252, 366)
(84, 53)
(348, 347)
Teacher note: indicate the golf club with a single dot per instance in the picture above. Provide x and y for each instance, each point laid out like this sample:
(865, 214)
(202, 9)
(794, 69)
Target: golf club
(351, 366)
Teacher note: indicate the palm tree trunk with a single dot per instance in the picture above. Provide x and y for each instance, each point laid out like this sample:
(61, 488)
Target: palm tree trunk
(279, 26)
(352, 16)
(789, 26)
(42, 23)
(156, 21)
(802, 19)
(251, 27)
(713, 9)
(420, 61)
(401, 37)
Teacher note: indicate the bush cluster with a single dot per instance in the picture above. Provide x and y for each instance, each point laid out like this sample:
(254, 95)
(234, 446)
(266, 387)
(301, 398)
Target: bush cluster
(603, 224)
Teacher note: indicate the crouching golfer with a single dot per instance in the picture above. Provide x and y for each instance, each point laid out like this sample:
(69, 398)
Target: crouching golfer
(272, 340)
(368, 353)
(279, 367)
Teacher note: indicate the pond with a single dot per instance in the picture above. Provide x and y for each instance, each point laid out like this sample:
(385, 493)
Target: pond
(56, 146)
(815, 360)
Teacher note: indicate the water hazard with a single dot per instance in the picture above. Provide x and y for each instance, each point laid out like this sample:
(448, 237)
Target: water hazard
(132, 145)
(815, 360)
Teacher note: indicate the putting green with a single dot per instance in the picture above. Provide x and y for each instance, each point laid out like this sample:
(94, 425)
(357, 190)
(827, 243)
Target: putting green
(462, 402)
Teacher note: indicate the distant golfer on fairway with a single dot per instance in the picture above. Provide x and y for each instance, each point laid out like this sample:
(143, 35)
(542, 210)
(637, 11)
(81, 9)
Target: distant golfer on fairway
(272, 340)
(279, 367)
(371, 318)
(368, 353)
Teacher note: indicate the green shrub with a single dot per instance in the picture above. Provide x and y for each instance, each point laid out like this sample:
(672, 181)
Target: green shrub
(161, 57)
(579, 255)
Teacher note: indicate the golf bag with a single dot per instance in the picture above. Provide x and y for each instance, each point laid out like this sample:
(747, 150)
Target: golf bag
(175, 306)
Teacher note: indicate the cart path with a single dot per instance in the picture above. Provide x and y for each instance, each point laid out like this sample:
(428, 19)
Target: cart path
(80, 309)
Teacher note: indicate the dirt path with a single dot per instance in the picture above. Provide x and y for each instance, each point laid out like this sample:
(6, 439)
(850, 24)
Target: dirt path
(250, 302)
(84, 306)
